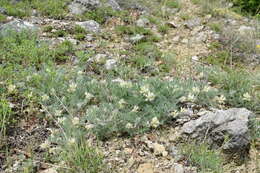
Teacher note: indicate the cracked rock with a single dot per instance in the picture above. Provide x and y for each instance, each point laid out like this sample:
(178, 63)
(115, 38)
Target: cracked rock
(90, 25)
(216, 126)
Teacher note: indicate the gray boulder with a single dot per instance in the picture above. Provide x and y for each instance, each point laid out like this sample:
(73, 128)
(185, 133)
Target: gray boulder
(2, 10)
(113, 4)
(79, 7)
(243, 30)
(215, 126)
(192, 23)
(17, 26)
(110, 64)
(142, 22)
(90, 25)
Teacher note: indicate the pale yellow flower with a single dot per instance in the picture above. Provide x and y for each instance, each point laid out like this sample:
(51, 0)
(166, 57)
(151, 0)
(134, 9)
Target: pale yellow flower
(191, 97)
(45, 145)
(122, 103)
(155, 122)
(72, 87)
(57, 113)
(183, 110)
(144, 89)
(174, 113)
(125, 84)
(135, 109)
(54, 150)
(11, 88)
(61, 120)
(206, 88)
(183, 99)
(220, 99)
(71, 141)
(88, 96)
(75, 121)
(45, 97)
(80, 72)
(195, 90)
(149, 96)
(129, 126)
(89, 126)
(247, 97)
(201, 75)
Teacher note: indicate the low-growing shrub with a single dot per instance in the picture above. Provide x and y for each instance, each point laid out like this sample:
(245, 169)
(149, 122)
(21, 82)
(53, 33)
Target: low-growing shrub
(203, 157)
(5, 114)
(251, 6)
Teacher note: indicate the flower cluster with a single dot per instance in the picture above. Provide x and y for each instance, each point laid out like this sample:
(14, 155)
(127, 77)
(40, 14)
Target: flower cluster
(45, 97)
(11, 88)
(155, 122)
(247, 97)
(189, 98)
(88, 96)
(122, 103)
(123, 84)
(72, 87)
(145, 90)
(220, 99)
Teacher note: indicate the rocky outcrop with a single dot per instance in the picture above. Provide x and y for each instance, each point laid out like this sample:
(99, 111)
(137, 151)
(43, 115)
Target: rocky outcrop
(79, 7)
(16, 26)
(90, 25)
(229, 129)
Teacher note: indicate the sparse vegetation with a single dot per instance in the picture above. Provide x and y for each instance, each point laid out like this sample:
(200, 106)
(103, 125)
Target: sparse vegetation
(83, 93)
(201, 155)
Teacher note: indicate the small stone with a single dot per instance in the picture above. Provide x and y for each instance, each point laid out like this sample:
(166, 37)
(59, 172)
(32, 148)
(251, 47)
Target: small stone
(178, 168)
(99, 59)
(89, 37)
(110, 64)
(50, 170)
(176, 39)
(172, 24)
(174, 152)
(200, 37)
(90, 25)
(73, 41)
(159, 149)
(142, 22)
(216, 36)
(185, 41)
(197, 30)
(195, 58)
(145, 168)
(192, 23)
(136, 38)
(245, 30)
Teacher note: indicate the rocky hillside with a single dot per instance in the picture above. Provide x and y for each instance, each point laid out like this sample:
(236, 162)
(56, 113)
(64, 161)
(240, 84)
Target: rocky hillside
(133, 86)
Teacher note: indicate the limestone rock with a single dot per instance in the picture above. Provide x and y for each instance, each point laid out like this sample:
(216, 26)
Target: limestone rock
(192, 23)
(145, 168)
(16, 26)
(90, 25)
(142, 22)
(216, 126)
(246, 30)
(110, 64)
(79, 7)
